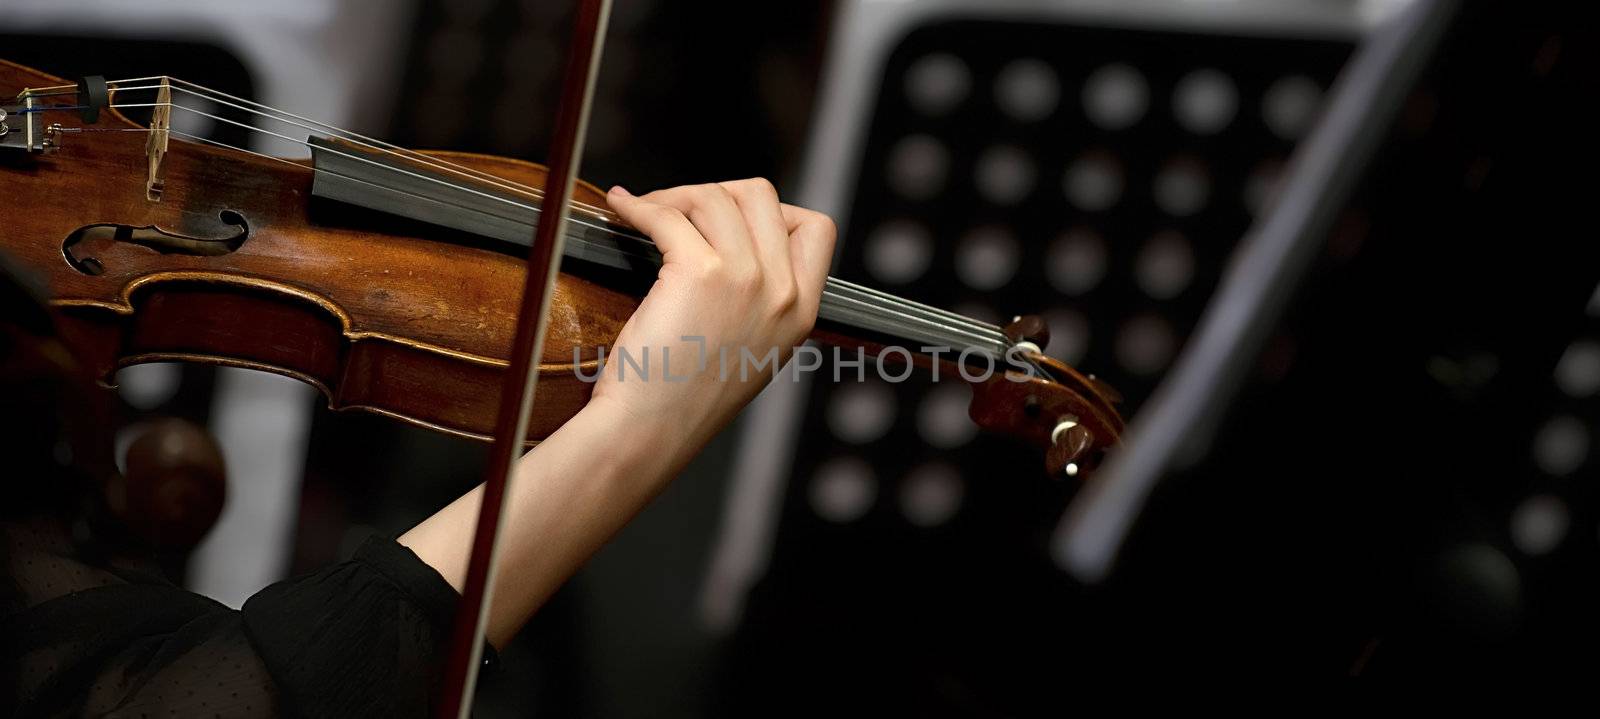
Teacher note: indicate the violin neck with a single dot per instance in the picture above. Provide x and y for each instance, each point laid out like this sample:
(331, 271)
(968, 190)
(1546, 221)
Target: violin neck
(463, 200)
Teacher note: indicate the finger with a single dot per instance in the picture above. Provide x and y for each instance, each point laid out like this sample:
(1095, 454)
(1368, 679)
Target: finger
(716, 215)
(812, 236)
(673, 234)
(758, 202)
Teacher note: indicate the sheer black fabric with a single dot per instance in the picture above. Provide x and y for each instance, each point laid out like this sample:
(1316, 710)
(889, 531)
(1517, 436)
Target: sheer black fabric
(82, 635)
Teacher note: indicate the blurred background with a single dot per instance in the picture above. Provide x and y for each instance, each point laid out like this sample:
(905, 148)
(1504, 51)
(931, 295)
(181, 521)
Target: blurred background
(1404, 487)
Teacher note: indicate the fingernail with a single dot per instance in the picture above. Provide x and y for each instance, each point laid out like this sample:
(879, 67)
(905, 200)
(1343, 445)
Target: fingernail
(620, 190)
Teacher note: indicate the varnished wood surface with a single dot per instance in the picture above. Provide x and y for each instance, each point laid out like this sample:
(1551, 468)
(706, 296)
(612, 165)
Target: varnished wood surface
(400, 323)
(386, 316)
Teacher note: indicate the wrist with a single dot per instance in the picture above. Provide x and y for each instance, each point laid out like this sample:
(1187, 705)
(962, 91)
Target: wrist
(634, 441)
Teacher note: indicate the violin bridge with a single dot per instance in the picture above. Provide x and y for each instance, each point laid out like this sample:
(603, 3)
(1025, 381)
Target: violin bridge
(156, 144)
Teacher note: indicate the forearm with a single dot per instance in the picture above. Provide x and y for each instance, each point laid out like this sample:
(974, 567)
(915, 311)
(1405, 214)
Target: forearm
(566, 498)
(740, 272)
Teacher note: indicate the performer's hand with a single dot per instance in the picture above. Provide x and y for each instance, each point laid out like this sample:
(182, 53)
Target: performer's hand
(742, 272)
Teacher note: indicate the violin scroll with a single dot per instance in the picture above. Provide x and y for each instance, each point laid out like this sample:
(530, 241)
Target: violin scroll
(1068, 413)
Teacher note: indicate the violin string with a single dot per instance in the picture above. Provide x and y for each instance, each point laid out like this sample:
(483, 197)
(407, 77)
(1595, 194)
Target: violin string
(314, 126)
(270, 112)
(983, 343)
(965, 331)
(923, 308)
(535, 193)
(507, 184)
(987, 336)
(381, 145)
(274, 114)
(210, 94)
(72, 89)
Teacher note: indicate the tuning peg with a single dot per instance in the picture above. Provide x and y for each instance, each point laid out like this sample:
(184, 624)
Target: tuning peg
(1069, 442)
(1030, 329)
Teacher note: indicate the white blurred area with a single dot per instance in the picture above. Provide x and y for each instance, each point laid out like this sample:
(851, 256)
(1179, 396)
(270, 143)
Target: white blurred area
(337, 61)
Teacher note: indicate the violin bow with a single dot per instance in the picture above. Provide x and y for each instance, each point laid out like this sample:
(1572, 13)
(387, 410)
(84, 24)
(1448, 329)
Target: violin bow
(516, 395)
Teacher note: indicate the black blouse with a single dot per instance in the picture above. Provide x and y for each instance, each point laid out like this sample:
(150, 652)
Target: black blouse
(81, 636)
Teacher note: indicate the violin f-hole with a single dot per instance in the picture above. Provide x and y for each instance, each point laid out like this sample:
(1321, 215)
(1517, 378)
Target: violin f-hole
(84, 247)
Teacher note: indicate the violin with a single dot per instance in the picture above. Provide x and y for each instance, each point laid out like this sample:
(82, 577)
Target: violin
(389, 279)
(395, 281)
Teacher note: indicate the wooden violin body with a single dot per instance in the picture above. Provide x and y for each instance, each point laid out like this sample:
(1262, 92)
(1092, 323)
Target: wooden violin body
(225, 257)
(395, 322)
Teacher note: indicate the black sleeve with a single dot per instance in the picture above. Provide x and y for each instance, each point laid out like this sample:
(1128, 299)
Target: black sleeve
(361, 638)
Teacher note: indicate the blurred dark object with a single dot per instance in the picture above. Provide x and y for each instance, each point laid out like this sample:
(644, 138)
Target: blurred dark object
(58, 445)
(1095, 172)
(1266, 270)
(47, 431)
(173, 484)
(1401, 490)
(1406, 496)
(75, 56)
(688, 91)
